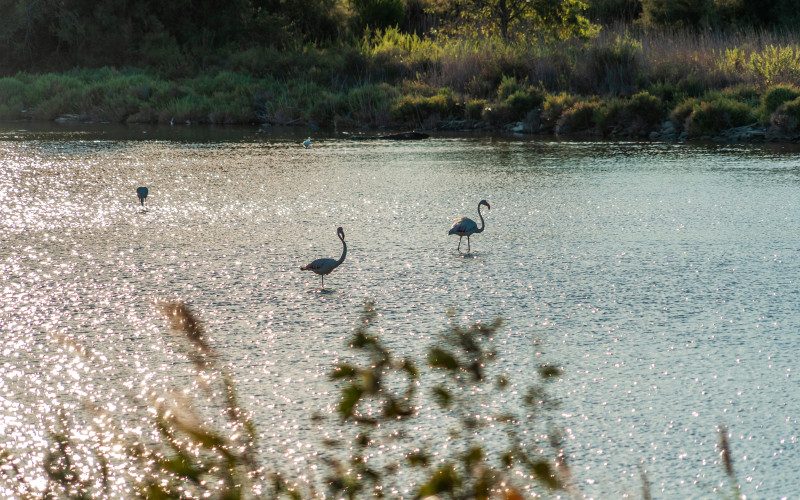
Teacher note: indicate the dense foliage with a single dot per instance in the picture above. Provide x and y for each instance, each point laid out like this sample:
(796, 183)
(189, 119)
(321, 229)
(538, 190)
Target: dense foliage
(603, 67)
(185, 36)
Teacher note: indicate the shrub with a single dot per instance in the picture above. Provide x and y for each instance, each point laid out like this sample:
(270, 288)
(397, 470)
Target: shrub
(508, 87)
(774, 97)
(520, 103)
(682, 111)
(786, 119)
(578, 118)
(776, 64)
(419, 109)
(711, 117)
(370, 104)
(747, 94)
(553, 107)
(691, 86)
(645, 108)
(474, 109)
(607, 116)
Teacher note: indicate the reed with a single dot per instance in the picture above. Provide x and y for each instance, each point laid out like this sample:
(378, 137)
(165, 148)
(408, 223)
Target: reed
(391, 78)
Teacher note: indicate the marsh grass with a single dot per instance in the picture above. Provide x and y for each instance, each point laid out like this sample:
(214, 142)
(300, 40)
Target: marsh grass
(395, 79)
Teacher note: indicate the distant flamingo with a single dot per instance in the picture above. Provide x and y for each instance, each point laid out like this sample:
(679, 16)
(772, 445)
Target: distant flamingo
(307, 143)
(467, 227)
(141, 192)
(325, 266)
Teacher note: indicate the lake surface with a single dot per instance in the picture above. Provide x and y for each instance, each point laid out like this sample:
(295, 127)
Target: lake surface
(662, 277)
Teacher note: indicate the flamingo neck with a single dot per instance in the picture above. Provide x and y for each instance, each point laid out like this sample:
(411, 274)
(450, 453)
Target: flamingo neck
(483, 224)
(344, 252)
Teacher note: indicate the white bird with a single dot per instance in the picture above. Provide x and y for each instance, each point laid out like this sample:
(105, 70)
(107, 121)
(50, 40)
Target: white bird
(325, 266)
(467, 227)
(307, 143)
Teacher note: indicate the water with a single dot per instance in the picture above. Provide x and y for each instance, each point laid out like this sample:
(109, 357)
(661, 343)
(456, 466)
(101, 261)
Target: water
(662, 277)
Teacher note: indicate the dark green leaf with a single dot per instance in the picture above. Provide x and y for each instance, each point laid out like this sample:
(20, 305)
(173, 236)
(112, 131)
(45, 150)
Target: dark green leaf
(350, 397)
(549, 371)
(443, 480)
(443, 396)
(544, 472)
(342, 371)
(439, 358)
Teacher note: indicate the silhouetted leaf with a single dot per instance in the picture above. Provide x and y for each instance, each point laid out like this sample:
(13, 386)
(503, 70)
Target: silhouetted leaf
(393, 409)
(418, 458)
(342, 371)
(443, 396)
(410, 367)
(439, 358)
(545, 474)
(473, 456)
(350, 397)
(549, 371)
(443, 480)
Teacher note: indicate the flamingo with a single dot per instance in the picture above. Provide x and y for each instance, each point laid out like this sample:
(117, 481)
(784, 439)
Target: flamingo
(325, 266)
(307, 143)
(467, 227)
(141, 192)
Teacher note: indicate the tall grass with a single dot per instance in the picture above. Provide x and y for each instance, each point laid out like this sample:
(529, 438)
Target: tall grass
(403, 80)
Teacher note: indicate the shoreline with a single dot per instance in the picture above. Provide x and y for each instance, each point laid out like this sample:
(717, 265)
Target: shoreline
(754, 133)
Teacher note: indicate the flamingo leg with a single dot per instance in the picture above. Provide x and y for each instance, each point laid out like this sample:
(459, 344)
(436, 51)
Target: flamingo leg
(469, 247)
(459, 243)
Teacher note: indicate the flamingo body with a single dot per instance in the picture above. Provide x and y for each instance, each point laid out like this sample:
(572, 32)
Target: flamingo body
(467, 227)
(141, 192)
(325, 266)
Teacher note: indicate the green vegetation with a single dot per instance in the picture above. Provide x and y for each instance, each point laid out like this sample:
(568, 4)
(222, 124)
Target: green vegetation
(203, 444)
(605, 67)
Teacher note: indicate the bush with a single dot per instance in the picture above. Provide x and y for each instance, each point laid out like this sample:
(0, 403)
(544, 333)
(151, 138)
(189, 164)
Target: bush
(474, 109)
(711, 117)
(553, 107)
(508, 87)
(682, 111)
(774, 97)
(578, 118)
(520, 103)
(607, 116)
(645, 107)
(786, 119)
(776, 64)
(419, 109)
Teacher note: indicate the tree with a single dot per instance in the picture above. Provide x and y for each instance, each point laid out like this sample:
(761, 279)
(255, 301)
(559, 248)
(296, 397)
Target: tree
(561, 19)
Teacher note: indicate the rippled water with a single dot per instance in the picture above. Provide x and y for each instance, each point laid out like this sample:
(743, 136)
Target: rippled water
(663, 277)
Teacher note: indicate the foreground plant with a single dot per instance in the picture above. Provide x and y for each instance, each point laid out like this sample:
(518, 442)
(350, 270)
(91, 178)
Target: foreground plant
(203, 445)
(186, 451)
(381, 397)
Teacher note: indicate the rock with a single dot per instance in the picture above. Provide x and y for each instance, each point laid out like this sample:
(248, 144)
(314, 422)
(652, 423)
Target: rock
(402, 136)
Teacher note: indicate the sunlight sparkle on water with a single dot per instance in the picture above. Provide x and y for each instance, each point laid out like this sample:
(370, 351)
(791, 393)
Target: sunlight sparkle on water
(635, 267)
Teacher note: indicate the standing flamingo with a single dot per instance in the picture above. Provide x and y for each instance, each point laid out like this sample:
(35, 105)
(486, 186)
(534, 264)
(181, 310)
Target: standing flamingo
(467, 227)
(325, 266)
(141, 192)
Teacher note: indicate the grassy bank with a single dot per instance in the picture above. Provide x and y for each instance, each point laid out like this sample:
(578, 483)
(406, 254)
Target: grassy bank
(622, 83)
